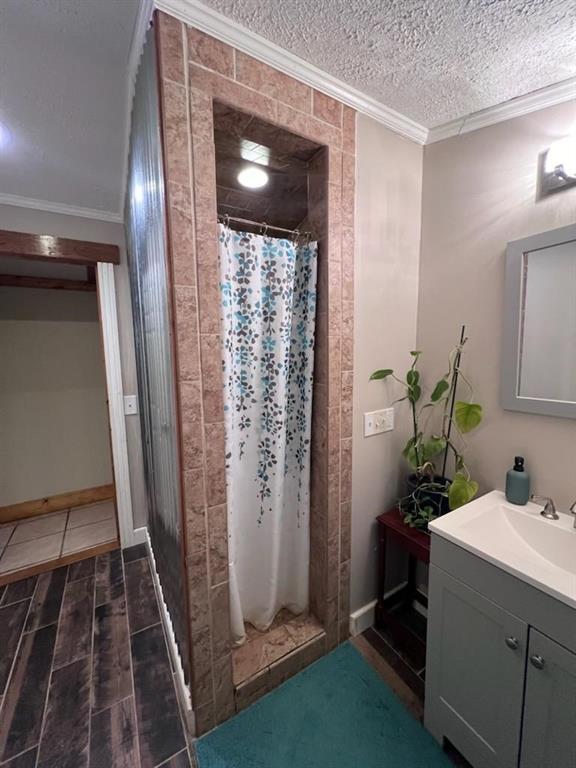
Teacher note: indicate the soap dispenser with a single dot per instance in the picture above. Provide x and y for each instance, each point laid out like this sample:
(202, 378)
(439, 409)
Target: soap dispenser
(518, 482)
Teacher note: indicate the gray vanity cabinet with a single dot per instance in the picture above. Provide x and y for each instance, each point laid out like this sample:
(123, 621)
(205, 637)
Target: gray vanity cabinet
(550, 705)
(476, 668)
(500, 665)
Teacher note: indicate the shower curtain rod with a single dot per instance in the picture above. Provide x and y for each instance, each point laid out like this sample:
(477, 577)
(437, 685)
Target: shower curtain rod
(226, 219)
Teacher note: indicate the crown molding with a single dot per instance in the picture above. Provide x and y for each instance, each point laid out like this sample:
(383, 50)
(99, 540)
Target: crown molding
(207, 20)
(507, 110)
(67, 210)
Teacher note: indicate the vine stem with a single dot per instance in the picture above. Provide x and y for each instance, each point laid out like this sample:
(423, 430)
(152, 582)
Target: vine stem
(453, 397)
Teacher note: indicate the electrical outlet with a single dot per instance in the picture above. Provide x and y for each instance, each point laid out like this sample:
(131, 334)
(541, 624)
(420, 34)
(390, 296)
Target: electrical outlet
(130, 404)
(376, 422)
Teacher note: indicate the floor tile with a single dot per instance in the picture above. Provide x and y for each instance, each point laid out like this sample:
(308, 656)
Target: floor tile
(76, 539)
(137, 552)
(91, 513)
(113, 739)
(5, 533)
(28, 553)
(82, 569)
(109, 576)
(67, 723)
(19, 590)
(12, 618)
(24, 701)
(180, 760)
(160, 733)
(38, 527)
(75, 627)
(45, 608)
(112, 677)
(140, 595)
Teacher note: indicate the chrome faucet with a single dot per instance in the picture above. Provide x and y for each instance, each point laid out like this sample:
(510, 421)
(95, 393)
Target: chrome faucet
(573, 512)
(549, 511)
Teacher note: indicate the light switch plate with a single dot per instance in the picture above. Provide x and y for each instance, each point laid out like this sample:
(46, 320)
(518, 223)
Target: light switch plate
(130, 404)
(376, 422)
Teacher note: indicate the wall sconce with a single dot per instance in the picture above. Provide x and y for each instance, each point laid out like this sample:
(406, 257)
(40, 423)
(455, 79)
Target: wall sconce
(559, 166)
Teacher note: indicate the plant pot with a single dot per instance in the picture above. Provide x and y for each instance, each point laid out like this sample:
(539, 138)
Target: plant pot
(421, 494)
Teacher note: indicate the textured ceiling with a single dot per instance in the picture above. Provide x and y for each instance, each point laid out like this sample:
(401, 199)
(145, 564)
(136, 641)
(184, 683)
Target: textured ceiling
(431, 60)
(63, 78)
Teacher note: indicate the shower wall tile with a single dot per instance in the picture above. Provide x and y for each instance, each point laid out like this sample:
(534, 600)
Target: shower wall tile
(211, 355)
(221, 638)
(214, 436)
(181, 234)
(271, 82)
(232, 93)
(170, 49)
(195, 505)
(328, 109)
(349, 129)
(209, 52)
(347, 264)
(218, 536)
(175, 124)
(217, 71)
(186, 322)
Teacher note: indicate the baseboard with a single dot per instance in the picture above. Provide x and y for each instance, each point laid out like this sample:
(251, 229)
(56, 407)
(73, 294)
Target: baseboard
(363, 618)
(48, 504)
(184, 690)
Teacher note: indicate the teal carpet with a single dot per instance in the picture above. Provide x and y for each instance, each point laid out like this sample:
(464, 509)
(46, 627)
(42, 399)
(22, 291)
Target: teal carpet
(338, 713)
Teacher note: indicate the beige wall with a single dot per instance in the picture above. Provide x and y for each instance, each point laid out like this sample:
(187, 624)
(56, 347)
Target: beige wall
(388, 213)
(479, 193)
(40, 222)
(53, 414)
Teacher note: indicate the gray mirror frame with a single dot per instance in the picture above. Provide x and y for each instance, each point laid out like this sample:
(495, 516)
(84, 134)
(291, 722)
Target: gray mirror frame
(513, 286)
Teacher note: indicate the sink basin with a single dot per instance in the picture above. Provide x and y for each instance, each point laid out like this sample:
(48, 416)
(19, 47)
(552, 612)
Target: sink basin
(517, 539)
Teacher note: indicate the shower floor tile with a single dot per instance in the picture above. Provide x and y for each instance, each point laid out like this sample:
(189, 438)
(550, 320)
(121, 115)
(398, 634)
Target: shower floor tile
(261, 649)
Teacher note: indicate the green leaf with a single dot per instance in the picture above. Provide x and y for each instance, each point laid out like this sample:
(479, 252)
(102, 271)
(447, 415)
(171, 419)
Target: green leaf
(467, 415)
(416, 353)
(461, 491)
(412, 377)
(431, 448)
(414, 393)
(383, 373)
(409, 453)
(439, 390)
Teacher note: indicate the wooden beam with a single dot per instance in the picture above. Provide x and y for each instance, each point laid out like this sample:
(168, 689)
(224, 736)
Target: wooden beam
(49, 248)
(58, 284)
(12, 512)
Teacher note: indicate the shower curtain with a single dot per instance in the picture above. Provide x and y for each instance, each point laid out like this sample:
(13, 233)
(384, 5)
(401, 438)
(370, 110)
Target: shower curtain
(268, 292)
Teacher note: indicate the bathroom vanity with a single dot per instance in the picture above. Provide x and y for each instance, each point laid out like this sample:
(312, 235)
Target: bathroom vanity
(501, 657)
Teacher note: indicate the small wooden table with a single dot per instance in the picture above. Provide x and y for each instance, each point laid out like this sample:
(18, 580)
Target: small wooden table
(403, 627)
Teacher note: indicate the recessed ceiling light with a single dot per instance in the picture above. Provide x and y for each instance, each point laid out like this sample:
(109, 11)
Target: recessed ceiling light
(253, 178)
(5, 136)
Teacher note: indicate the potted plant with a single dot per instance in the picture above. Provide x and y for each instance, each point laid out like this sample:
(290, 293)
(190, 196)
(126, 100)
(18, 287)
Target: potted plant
(430, 492)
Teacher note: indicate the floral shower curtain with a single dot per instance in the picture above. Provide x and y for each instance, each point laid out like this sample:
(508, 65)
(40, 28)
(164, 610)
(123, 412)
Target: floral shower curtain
(268, 290)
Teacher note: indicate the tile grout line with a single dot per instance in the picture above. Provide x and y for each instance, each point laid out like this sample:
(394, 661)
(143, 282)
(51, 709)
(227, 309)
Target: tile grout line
(134, 708)
(88, 750)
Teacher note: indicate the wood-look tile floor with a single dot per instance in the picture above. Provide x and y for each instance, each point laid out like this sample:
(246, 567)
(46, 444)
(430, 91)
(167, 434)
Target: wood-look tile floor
(85, 675)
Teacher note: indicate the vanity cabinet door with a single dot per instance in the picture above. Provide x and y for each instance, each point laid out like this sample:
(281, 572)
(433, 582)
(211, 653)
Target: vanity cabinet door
(474, 673)
(549, 727)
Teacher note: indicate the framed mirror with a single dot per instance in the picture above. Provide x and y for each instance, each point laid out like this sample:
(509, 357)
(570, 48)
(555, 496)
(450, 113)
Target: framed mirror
(539, 349)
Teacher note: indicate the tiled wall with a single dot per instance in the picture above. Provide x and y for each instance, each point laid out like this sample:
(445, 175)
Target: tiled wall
(194, 70)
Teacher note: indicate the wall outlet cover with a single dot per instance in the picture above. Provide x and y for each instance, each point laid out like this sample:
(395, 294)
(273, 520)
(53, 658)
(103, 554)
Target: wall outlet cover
(130, 404)
(376, 422)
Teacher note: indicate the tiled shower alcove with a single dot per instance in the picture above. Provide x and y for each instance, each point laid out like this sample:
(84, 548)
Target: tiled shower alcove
(196, 71)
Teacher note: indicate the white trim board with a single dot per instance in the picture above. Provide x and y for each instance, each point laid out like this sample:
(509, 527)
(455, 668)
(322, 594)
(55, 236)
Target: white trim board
(219, 26)
(362, 619)
(52, 207)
